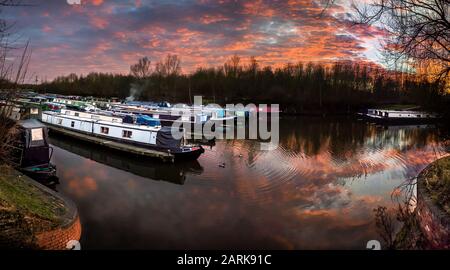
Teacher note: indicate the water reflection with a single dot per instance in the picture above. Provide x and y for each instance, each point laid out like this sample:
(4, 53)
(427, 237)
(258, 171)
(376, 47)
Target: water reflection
(137, 165)
(316, 191)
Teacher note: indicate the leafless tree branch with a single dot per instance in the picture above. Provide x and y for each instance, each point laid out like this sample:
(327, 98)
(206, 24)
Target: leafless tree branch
(418, 30)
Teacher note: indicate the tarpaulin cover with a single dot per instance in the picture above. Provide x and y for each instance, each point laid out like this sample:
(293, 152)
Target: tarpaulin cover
(35, 156)
(35, 141)
(129, 119)
(34, 132)
(147, 120)
(165, 139)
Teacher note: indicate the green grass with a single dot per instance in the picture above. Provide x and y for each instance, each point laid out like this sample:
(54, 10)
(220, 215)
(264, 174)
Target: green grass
(438, 182)
(18, 194)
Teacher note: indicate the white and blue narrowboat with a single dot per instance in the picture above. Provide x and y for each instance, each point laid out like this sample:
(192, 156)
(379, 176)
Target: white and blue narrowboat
(112, 127)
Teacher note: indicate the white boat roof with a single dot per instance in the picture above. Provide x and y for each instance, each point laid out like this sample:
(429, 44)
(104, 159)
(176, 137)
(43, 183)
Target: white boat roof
(106, 123)
(399, 111)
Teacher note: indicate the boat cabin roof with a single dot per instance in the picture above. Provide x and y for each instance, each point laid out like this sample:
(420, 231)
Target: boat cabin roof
(402, 112)
(106, 123)
(34, 133)
(30, 124)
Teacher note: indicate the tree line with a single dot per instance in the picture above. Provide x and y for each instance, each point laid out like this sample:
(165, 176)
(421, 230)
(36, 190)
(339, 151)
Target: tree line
(300, 87)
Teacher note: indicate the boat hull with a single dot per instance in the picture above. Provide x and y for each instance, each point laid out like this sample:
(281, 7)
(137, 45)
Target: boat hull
(398, 120)
(189, 155)
(177, 153)
(43, 174)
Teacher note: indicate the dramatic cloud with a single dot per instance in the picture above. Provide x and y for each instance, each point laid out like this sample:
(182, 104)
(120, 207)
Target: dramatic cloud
(108, 36)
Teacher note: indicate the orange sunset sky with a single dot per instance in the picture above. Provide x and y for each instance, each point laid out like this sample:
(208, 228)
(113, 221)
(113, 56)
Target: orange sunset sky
(110, 35)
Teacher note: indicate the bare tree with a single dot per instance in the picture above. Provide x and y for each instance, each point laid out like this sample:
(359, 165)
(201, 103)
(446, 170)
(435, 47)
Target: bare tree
(232, 66)
(418, 30)
(12, 74)
(253, 66)
(142, 69)
(170, 66)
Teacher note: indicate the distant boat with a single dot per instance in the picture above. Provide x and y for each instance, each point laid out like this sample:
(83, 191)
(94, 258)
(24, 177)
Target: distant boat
(399, 116)
(113, 128)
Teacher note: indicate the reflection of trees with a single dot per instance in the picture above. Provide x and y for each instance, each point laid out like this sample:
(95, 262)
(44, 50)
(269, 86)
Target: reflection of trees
(343, 137)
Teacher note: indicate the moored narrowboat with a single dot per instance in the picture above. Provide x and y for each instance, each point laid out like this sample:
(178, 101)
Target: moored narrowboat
(113, 128)
(399, 116)
(30, 152)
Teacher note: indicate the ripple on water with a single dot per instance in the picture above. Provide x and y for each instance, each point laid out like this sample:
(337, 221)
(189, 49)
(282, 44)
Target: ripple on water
(260, 175)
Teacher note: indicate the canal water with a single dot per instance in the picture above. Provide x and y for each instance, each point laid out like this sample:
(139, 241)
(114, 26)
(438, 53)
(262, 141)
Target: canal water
(317, 190)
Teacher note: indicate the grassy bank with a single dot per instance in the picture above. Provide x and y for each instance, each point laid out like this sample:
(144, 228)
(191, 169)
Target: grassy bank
(438, 183)
(25, 209)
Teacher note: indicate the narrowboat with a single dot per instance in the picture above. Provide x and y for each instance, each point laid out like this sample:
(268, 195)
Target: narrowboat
(167, 116)
(156, 138)
(30, 153)
(399, 116)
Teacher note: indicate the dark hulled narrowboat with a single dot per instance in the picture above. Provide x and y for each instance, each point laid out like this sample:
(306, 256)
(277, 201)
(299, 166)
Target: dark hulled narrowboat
(31, 151)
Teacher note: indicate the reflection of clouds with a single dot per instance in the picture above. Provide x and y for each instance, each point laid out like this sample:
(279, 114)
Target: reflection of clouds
(276, 177)
(289, 198)
(81, 186)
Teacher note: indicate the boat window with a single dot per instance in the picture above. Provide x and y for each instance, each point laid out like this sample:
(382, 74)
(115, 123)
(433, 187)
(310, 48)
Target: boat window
(34, 111)
(72, 124)
(104, 130)
(77, 114)
(126, 133)
(59, 121)
(37, 134)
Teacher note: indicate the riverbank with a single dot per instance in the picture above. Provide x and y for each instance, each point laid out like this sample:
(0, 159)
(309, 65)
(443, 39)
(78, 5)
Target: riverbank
(33, 216)
(433, 203)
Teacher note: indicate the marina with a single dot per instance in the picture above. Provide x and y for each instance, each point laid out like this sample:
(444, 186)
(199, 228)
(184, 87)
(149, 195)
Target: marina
(256, 126)
(351, 166)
